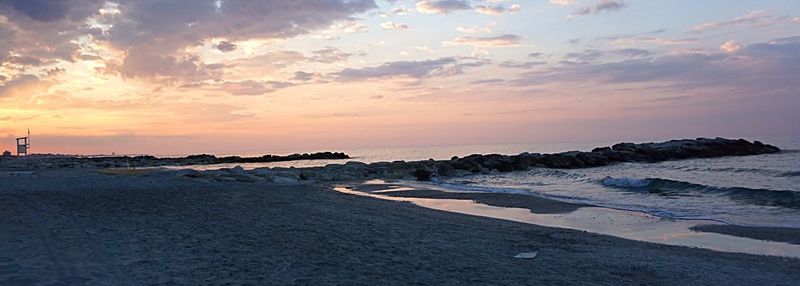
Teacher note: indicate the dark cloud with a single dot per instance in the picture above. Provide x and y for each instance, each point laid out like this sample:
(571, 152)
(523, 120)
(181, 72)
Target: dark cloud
(184, 22)
(600, 7)
(40, 10)
(225, 46)
(409, 69)
(152, 30)
(25, 61)
(39, 32)
(54, 71)
(586, 56)
(303, 76)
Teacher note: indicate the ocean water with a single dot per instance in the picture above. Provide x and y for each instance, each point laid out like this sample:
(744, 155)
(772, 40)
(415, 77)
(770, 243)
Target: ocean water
(761, 190)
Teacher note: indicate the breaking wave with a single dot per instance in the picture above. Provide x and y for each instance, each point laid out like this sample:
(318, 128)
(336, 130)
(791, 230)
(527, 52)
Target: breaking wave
(658, 186)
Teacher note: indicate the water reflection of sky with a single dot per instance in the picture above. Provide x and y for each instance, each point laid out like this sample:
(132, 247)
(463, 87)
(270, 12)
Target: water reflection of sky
(619, 223)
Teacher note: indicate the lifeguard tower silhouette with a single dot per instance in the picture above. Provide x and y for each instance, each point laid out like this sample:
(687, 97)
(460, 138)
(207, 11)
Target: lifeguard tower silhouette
(24, 144)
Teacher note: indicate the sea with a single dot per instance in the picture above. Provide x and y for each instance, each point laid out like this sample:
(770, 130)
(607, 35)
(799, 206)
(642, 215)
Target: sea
(761, 190)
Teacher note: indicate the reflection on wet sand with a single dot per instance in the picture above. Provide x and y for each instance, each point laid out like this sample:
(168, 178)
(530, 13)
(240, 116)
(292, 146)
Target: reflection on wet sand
(620, 223)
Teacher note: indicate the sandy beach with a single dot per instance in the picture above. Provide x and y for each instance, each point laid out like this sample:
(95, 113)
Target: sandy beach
(81, 227)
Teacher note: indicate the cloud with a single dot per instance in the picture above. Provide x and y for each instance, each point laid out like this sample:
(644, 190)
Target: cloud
(562, 2)
(304, 76)
(600, 7)
(507, 40)
(225, 46)
(759, 18)
(410, 69)
(474, 30)
(252, 87)
(159, 32)
(41, 32)
(330, 55)
(400, 11)
(393, 26)
(442, 6)
(40, 10)
(490, 9)
(638, 39)
(731, 46)
(521, 65)
(24, 84)
(632, 52)
(488, 81)
(777, 64)
(586, 56)
(786, 40)
(446, 66)
(145, 64)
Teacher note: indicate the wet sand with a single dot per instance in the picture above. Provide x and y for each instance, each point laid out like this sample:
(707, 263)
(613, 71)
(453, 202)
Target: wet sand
(539, 205)
(780, 234)
(534, 204)
(86, 228)
(599, 220)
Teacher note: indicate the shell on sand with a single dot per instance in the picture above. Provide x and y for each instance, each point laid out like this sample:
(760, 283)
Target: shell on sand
(527, 255)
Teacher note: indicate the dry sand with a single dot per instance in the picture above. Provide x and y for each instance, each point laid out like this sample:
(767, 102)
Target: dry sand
(83, 228)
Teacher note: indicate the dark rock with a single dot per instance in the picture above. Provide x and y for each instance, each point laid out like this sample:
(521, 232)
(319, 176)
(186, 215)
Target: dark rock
(465, 164)
(497, 162)
(592, 159)
(444, 169)
(423, 175)
(601, 149)
(521, 162)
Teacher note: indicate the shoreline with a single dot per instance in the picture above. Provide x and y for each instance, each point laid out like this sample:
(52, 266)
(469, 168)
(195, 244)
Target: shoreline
(74, 226)
(777, 234)
(622, 223)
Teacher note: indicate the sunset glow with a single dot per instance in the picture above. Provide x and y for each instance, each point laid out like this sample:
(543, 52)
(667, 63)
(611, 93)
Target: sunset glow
(226, 76)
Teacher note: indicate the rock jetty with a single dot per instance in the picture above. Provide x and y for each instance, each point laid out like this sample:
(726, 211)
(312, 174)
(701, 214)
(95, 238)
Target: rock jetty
(51, 162)
(477, 163)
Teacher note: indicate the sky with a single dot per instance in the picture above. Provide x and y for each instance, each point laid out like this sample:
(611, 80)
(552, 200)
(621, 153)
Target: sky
(228, 76)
